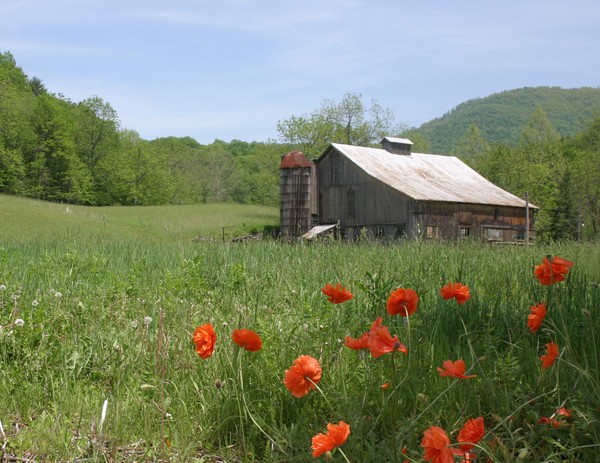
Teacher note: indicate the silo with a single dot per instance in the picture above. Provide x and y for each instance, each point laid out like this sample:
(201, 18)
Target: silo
(297, 210)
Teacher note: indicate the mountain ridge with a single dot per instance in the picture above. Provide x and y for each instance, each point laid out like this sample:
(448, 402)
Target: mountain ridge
(501, 117)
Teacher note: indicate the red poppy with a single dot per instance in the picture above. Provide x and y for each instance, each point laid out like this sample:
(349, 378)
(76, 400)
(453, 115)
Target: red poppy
(456, 369)
(336, 435)
(358, 344)
(536, 317)
(435, 442)
(302, 376)
(562, 411)
(471, 433)
(247, 339)
(550, 357)
(550, 421)
(381, 342)
(552, 271)
(336, 294)
(402, 301)
(205, 339)
(456, 290)
(363, 341)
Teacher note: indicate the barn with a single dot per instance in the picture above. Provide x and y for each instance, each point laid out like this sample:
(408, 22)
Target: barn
(391, 193)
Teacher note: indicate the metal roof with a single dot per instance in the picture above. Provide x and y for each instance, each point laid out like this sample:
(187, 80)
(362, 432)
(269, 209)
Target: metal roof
(429, 177)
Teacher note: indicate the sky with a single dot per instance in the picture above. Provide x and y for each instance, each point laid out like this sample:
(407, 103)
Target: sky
(231, 69)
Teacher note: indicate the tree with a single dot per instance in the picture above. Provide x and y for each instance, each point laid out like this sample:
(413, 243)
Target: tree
(37, 86)
(97, 129)
(348, 122)
(472, 145)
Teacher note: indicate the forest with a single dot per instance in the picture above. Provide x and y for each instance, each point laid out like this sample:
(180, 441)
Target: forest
(56, 149)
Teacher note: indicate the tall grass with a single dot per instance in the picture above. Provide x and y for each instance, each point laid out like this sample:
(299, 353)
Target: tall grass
(109, 317)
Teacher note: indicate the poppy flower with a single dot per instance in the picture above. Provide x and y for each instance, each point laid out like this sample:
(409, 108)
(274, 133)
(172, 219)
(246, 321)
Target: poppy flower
(247, 339)
(402, 301)
(435, 442)
(359, 343)
(455, 369)
(336, 435)
(536, 317)
(471, 433)
(550, 421)
(552, 271)
(299, 378)
(336, 294)
(363, 341)
(205, 339)
(562, 411)
(456, 290)
(380, 342)
(551, 353)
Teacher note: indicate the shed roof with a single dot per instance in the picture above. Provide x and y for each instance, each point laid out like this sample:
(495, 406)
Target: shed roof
(428, 177)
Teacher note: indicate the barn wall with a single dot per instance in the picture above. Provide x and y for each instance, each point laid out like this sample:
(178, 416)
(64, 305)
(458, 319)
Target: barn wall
(456, 220)
(382, 211)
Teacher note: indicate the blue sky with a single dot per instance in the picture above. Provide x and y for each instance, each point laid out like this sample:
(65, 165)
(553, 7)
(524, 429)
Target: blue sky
(230, 69)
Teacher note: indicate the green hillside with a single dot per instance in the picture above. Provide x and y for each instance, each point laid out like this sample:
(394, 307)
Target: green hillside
(502, 116)
(28, 219)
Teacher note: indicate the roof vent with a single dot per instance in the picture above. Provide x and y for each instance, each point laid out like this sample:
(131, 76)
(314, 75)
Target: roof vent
(397, 145)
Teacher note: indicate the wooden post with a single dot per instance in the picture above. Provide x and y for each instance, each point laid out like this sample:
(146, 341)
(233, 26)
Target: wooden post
(527, 219)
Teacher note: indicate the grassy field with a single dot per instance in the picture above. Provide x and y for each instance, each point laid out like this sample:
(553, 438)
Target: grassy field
(98, 308)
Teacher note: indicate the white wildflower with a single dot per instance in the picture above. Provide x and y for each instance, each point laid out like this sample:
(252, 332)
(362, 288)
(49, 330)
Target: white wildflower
(35, 303)
(52, 291)
(58, 294)
(2, 287)
(134, 324)
(19, 322)
(147, 320)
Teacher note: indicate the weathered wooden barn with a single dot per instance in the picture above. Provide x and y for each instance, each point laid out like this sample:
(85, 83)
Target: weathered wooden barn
(392, 193)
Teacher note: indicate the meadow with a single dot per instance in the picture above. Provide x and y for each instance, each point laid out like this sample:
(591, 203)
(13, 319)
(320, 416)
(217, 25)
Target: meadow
(98, 309)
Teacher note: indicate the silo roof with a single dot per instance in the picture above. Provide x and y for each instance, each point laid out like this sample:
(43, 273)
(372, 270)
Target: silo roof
(295, 159)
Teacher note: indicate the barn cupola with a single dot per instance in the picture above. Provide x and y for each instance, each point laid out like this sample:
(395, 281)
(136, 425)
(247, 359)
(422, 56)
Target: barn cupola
(397, 145)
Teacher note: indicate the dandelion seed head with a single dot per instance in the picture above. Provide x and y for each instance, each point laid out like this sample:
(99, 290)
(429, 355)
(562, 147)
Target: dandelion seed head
(19, 322)
(2, 288)
(52, 291)
(58, 294)
(35, 303)
(147, 320)
(134, 324)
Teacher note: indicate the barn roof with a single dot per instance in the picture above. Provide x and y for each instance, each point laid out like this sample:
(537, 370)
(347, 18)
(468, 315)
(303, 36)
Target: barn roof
(428, 177)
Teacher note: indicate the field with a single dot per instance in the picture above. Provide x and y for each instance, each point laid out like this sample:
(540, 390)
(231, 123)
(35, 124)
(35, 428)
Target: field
(98, 309)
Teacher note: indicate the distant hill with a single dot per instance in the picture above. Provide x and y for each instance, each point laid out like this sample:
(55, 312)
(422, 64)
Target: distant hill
(501, 117)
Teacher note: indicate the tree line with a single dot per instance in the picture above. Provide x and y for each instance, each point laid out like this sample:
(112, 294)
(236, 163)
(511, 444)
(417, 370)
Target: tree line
(52, 148)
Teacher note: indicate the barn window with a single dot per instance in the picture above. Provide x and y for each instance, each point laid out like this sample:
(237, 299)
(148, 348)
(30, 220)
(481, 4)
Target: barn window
(494, 234)
(432, 232)
(464, 232)
(351, 203)
(496, 213)
(380, 232)
(400, 231)
(521, 235)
